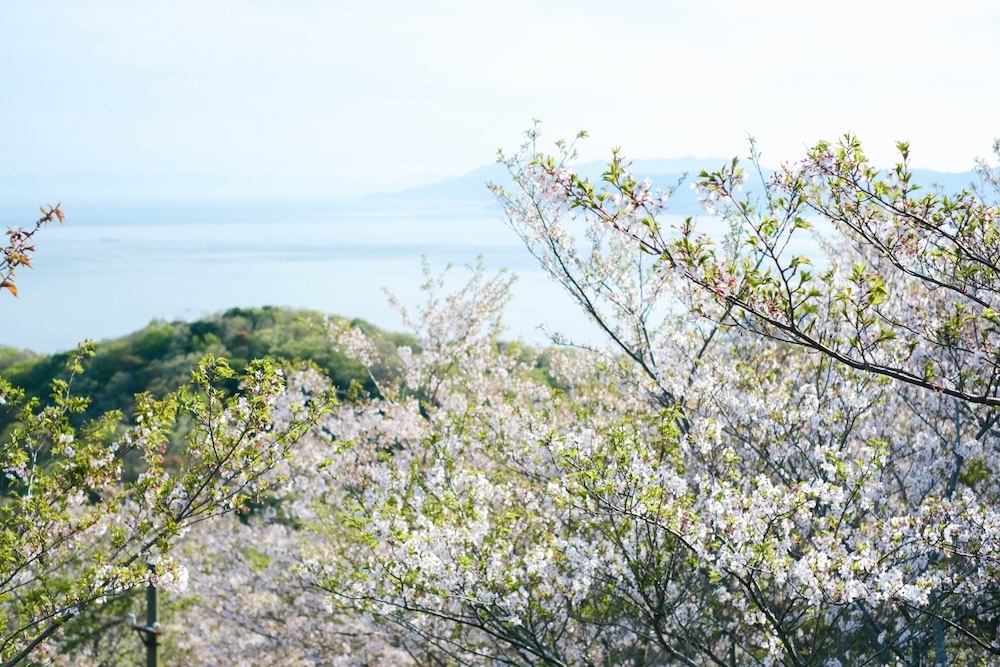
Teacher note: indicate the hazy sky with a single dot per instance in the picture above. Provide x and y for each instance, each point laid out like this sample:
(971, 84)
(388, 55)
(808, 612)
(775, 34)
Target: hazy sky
(389, 92)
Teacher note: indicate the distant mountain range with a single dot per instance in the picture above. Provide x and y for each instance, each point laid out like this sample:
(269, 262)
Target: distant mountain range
(18, 192)
(471, 188)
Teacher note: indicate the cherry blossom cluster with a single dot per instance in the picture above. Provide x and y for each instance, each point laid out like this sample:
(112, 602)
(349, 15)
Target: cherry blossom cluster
(18, 250)
(79, 537)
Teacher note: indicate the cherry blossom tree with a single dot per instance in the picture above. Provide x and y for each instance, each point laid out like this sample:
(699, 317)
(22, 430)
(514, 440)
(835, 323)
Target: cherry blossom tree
(904, 296)
(73, 532)
(248, 598)
(18, 249)
(688, 493)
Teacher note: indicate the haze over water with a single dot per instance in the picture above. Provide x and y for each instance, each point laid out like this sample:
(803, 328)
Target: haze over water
(112, 269)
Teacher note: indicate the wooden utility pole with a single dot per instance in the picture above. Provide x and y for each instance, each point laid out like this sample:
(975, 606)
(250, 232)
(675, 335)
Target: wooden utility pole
(149, 633)
(153, 628)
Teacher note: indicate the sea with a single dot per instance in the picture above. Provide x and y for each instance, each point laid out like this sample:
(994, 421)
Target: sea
(111, 269)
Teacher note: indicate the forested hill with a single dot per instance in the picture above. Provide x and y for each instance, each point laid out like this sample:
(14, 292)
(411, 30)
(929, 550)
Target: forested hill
(160, 357)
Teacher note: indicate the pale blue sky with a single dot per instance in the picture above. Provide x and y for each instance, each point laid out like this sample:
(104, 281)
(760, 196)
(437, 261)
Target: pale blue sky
(366, 94)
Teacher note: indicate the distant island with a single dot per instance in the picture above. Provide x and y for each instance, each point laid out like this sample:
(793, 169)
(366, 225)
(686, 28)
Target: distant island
(28, 190)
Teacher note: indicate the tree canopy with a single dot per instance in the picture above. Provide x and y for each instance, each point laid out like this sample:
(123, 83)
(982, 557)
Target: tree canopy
(74, 531)
(775, 457)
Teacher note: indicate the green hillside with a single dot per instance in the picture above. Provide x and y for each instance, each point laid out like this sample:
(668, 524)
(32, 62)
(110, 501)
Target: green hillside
(160, 357)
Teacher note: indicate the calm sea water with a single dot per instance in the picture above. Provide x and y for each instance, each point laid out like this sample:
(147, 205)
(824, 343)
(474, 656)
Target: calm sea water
(112, 269)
